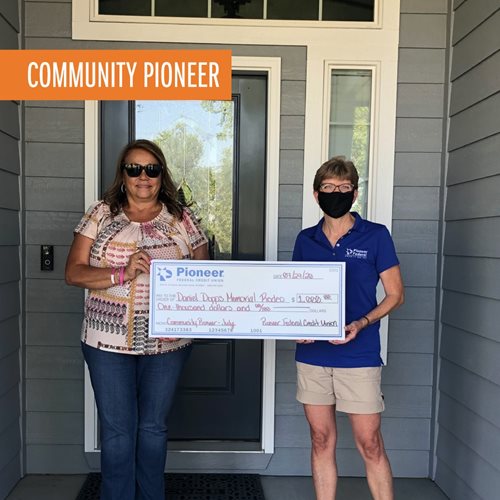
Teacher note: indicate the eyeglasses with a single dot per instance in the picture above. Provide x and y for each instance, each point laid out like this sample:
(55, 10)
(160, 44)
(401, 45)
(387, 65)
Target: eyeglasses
(135, 170)
(331, 188)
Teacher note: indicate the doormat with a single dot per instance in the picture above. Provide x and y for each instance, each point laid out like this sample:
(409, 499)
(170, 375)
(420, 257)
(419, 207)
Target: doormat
(193, 487)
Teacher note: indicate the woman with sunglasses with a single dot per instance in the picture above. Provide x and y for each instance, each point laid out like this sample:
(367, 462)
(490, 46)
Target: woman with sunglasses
(133, 376)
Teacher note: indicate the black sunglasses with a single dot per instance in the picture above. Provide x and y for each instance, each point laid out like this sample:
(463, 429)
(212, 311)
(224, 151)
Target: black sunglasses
(135, 170)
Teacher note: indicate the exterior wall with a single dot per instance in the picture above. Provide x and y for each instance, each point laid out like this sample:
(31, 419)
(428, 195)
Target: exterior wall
(468, 459)
(409, 377)
(10, 271)
(54, 193)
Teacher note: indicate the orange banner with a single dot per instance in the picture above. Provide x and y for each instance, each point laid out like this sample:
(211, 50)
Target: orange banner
(115, 74)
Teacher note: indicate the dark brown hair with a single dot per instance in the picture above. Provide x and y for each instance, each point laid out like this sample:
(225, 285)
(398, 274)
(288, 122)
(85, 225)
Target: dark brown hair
(337, 167)
(116, 198)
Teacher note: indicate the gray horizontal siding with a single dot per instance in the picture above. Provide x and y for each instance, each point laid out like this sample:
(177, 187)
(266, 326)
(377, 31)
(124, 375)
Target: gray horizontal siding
(480, 43)
(10, 187)
(63, 298)
(56, 459)
(426, 30)
(475, 86)
(471, 313)
(420, 100)
(471, 391)
(417, 169)
(59, 125)
(470, 15)
(473, 352)
(40, 363)
(10, 475)
(475, 123)
(416, 224)
(48, 19)
(419, 134)
(11, 444)
(415, 236)
(411, 336)
(53, 395)
(424, 6)
(474, 161)
(41, 331)
(468, 463)
(9, 118)
(471, 275)
(8, 36)
(10, 273)
(9, 227)
(54, 428)
(473, 473)
(472, 430)
(454, 485)
(54, 160)
(11, 341)
(54, 228)
(10, 153)
(9, 255)
(51, 194)
(413, 61)
(10, 13)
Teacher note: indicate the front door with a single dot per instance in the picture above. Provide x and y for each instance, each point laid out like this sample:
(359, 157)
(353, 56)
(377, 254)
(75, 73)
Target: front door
(216, 151)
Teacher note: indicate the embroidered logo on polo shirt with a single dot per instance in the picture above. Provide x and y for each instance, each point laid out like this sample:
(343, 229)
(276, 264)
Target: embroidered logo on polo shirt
(354, 253)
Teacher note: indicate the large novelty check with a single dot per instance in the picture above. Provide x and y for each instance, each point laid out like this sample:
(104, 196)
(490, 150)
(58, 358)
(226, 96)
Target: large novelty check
(238, 299)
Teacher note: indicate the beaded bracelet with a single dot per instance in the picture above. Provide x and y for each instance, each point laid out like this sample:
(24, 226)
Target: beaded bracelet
(113, 280)
(122, 275)
(366, 317)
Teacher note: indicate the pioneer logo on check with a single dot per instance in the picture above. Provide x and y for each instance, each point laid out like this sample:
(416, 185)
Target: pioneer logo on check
(164, 273)
(354, 253)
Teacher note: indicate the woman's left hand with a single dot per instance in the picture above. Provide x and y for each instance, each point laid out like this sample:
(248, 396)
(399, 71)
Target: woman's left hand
(138, 263)
(351, 332)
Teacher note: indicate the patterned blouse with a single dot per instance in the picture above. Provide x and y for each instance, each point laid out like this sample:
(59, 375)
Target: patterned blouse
(116, 319)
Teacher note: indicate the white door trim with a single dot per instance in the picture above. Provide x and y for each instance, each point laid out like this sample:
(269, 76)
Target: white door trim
(272, 67)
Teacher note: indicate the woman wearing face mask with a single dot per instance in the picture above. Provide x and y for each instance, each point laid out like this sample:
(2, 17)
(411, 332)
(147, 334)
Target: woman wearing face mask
(345, 375)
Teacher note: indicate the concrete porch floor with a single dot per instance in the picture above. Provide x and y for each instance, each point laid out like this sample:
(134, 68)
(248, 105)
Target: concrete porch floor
(66, 487)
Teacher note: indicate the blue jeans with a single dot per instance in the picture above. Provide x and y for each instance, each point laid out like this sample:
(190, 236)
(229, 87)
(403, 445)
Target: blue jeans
(133, 396)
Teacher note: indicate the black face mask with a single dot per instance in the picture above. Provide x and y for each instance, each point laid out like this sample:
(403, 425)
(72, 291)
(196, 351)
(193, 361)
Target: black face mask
(335, 204)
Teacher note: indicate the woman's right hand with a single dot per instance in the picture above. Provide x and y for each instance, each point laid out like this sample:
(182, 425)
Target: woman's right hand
(304, 341)
(138, 263)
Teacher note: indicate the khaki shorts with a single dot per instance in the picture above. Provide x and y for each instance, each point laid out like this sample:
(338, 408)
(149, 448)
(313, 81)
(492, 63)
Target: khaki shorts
(352, 390)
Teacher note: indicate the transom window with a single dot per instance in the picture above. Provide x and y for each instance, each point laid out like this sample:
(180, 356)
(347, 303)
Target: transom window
(310, 10)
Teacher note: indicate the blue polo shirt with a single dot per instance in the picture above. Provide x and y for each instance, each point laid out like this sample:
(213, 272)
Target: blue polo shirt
(368, 250)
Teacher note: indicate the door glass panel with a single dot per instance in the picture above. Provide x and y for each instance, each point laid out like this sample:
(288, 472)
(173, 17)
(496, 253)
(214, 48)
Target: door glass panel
(197, 140)
(125, 7)
(349, 125)
(292, 9)
(181, 8)
(340, 10)
(246, 9)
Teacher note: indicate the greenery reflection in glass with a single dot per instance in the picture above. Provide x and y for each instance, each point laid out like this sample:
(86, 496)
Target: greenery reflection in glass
(197, 140)
(349, 134)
